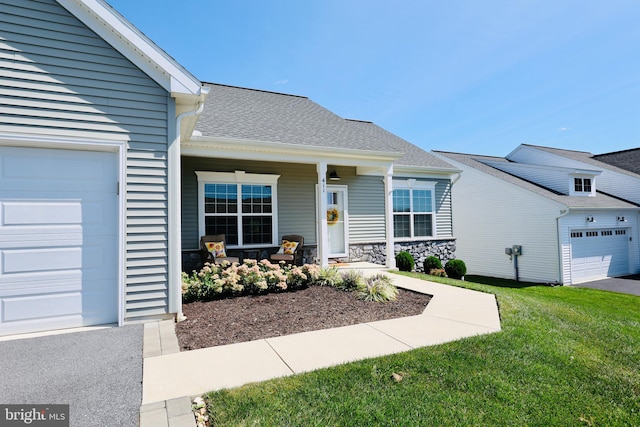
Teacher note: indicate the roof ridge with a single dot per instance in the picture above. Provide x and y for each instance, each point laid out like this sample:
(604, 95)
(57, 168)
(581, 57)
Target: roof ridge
(616, 152)
(255, 90)
(557, 149)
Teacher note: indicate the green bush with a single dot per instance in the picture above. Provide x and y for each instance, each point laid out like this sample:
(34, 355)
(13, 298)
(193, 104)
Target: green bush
(455, 268)
(432, 263)
(378, 288)
(404, 261)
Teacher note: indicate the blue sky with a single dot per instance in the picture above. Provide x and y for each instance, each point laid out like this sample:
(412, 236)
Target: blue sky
(466, 76)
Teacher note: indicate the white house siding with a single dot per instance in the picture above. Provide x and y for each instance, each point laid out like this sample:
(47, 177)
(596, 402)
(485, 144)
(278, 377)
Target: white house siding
(296, 195)
(557, 180)
(58, 78)
(490, 214)
(611, 182)
(604, 219)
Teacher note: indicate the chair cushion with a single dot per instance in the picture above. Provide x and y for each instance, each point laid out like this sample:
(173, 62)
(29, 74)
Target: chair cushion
(217, 249)
(288, 247)
(281, 257)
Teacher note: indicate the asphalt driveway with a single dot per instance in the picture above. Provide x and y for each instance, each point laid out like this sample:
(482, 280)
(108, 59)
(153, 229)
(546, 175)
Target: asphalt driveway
(98, 373)
(625, 285)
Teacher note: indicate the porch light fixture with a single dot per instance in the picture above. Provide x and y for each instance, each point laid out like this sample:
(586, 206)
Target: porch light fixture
(622, 219)
(333, 176)
(591, 219)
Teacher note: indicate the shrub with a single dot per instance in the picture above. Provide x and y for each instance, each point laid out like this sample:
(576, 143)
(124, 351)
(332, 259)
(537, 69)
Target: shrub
(455, 268)
(432, 263)
(351, 280)
(404, 261)
(377, 288)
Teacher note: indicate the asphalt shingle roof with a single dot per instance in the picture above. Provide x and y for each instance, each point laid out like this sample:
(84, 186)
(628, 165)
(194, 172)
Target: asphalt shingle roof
(250, 114)
(626, 159)
(476, 161)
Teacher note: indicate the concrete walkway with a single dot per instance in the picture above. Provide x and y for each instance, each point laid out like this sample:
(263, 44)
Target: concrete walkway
(171, 377)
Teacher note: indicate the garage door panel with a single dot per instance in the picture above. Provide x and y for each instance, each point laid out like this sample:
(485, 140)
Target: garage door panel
(597, 254)
(58, 239)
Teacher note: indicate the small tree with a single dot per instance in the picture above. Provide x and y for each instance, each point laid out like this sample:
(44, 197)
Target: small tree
(404, 261)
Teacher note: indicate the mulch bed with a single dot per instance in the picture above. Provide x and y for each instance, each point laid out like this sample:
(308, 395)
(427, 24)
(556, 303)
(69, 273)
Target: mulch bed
(248, 318)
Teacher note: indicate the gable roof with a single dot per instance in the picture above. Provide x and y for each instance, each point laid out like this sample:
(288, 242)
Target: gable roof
(625, 159)
(584, 157)
(250, 114)
(482, 163)
(116, 30)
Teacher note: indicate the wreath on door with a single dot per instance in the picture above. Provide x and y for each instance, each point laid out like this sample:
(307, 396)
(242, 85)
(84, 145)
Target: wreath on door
(332, 216)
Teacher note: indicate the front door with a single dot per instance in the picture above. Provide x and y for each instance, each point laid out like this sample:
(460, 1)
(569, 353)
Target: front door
(337, 220)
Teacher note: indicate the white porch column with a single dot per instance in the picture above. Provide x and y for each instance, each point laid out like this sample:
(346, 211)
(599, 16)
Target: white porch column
(323, 230)
(388, 208)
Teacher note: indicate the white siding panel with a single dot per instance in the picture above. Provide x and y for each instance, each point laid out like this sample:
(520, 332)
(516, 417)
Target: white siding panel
(490, 214)
(58, 78)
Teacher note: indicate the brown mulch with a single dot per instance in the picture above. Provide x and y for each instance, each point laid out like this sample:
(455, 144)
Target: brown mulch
(248, 318)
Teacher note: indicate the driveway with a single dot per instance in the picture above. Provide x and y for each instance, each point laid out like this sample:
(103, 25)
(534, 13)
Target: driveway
(98, 373)
(624, 285)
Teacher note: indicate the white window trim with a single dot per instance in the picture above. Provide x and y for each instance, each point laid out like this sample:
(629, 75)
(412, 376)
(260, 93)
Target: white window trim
(572, 186)
(238, 177)
(413, 184)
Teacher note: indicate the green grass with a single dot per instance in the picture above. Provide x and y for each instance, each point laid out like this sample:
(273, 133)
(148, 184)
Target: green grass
(566, 357)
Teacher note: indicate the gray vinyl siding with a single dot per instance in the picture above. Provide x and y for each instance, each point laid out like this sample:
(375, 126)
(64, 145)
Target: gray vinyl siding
(296, 195)
(366, 206)
(58, 78)
(444, 223)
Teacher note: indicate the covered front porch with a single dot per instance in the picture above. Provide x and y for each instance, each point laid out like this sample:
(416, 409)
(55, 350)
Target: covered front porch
(338, 200)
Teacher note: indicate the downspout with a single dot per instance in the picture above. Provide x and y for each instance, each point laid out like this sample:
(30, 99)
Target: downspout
(560, 263)
(175, 214)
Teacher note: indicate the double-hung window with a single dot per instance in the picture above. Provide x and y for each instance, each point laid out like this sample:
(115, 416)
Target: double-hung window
(582, 186)
(413, 209)
(240, 205)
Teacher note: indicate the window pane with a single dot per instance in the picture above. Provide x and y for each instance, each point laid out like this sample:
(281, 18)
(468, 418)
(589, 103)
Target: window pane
(422, 225)
(256, 230)
(422, 201)
(586, 185)
(256, 198)
(578, 184)
(227, 225)
(401, 200)
(220, 198)
(401, 225)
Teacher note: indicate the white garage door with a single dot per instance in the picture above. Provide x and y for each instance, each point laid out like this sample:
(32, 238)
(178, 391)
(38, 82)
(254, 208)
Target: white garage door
(58, 239)
(597, 254)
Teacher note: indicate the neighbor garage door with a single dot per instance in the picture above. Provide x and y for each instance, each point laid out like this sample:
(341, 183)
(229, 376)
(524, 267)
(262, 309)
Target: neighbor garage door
(58, 239)
(597, 254)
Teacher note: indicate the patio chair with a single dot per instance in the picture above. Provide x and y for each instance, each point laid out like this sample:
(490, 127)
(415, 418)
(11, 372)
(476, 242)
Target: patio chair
(290, 251)
(213, 249)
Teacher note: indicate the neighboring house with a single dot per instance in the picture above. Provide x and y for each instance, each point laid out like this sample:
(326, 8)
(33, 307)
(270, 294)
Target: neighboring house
(93, 120)
(628, 160)
(575, 218)
(89, 136)
(291, 161)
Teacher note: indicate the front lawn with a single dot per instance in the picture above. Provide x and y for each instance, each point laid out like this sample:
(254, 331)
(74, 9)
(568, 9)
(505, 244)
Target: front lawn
(566, 357)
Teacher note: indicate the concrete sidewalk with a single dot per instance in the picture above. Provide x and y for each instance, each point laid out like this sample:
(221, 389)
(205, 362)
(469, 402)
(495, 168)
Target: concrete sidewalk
(170, 376)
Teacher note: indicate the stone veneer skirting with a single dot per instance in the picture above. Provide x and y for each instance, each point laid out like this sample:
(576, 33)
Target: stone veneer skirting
(445, 249)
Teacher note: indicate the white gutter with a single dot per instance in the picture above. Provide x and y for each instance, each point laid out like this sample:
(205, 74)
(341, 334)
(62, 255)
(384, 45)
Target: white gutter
(175, 215)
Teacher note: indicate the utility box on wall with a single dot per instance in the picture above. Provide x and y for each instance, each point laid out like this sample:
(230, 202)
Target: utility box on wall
(517, 250)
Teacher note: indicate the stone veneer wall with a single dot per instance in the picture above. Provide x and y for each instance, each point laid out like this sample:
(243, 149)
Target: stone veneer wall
(445, 249)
